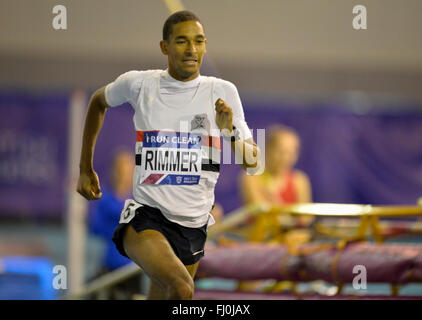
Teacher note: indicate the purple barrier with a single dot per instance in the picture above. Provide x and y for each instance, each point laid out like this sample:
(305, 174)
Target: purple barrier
(384, 263)
(417, 269)
(249, 262)
(239, 295)
(393, 262)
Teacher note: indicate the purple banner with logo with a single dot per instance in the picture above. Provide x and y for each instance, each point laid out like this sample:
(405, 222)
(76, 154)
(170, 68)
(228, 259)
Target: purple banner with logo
(33, 146)
(373, 158)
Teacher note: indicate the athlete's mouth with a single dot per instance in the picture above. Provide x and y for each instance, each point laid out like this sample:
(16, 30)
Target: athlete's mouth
(190, 61)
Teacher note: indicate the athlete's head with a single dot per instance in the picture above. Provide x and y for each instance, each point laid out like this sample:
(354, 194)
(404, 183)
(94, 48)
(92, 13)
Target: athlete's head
(184, 44)
(282, 148)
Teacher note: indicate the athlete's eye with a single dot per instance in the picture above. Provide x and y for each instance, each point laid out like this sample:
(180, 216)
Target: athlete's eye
(180, 42)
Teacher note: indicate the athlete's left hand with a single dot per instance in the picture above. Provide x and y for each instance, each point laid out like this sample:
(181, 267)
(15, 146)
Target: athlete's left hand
(224, 115)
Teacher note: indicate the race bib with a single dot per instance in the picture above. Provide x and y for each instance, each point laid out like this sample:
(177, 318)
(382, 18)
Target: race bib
(129, 210)
(172, 158)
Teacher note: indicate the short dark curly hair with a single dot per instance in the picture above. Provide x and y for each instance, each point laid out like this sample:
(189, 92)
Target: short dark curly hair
(175, 18)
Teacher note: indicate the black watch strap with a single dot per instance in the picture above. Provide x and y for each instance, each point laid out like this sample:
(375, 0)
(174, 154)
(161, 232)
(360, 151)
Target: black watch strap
(236, 134)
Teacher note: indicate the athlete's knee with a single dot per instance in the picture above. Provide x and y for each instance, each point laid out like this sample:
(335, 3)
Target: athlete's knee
(181, 289)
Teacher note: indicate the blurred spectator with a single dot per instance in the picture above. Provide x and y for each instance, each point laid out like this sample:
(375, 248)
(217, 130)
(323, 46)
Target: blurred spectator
(280, 183)
(105, 217)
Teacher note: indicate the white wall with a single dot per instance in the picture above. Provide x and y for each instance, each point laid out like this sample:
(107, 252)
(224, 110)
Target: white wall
(305, 46)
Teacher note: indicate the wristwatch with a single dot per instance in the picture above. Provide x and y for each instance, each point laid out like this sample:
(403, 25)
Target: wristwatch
(233, 136)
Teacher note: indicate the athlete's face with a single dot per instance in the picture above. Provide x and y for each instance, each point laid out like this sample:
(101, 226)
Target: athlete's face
(185, 49)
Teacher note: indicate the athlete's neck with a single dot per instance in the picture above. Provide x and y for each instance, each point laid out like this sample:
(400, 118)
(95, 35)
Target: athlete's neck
(178, 77)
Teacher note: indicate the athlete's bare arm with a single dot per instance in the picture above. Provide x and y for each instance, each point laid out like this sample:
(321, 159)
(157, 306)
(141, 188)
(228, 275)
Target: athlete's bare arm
(247, 148)
(88, 182)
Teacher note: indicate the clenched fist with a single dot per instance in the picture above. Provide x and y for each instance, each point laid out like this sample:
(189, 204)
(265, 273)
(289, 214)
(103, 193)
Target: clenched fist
(89, 185)
(224, 115)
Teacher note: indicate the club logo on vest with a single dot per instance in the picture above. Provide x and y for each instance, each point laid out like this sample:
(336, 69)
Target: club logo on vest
(200, 121)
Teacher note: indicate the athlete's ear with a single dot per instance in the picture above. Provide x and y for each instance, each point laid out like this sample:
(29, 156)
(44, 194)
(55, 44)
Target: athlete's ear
(163, 46)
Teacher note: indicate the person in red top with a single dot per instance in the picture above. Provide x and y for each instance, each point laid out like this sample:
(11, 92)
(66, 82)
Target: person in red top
(289, 193)
(280, 183)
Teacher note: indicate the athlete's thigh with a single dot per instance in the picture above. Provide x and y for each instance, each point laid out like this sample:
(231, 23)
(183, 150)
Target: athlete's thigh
(153, 253)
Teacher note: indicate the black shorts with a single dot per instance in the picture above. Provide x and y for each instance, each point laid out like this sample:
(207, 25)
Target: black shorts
(187, 243)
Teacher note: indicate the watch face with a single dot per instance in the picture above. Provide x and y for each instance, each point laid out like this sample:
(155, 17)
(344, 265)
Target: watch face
(232, 136)
(226, 133)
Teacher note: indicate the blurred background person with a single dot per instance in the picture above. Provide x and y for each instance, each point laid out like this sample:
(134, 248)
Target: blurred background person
(104, 218)
(280, 183)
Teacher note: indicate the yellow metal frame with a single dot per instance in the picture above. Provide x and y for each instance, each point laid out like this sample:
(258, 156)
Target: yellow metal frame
(267, 218)
(267, 225)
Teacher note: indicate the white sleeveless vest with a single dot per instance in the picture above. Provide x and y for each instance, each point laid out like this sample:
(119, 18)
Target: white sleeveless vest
(177, 153)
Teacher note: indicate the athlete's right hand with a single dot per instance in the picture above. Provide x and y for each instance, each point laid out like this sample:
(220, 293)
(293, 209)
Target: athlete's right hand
(89, 185)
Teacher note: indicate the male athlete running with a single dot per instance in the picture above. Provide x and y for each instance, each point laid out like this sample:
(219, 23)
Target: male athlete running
(179, 117)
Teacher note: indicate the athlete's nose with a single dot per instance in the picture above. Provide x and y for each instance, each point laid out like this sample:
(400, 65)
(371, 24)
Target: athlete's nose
(191, 48)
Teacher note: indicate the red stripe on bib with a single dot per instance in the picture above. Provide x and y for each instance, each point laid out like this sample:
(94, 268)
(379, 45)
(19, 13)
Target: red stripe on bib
(152, 178)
